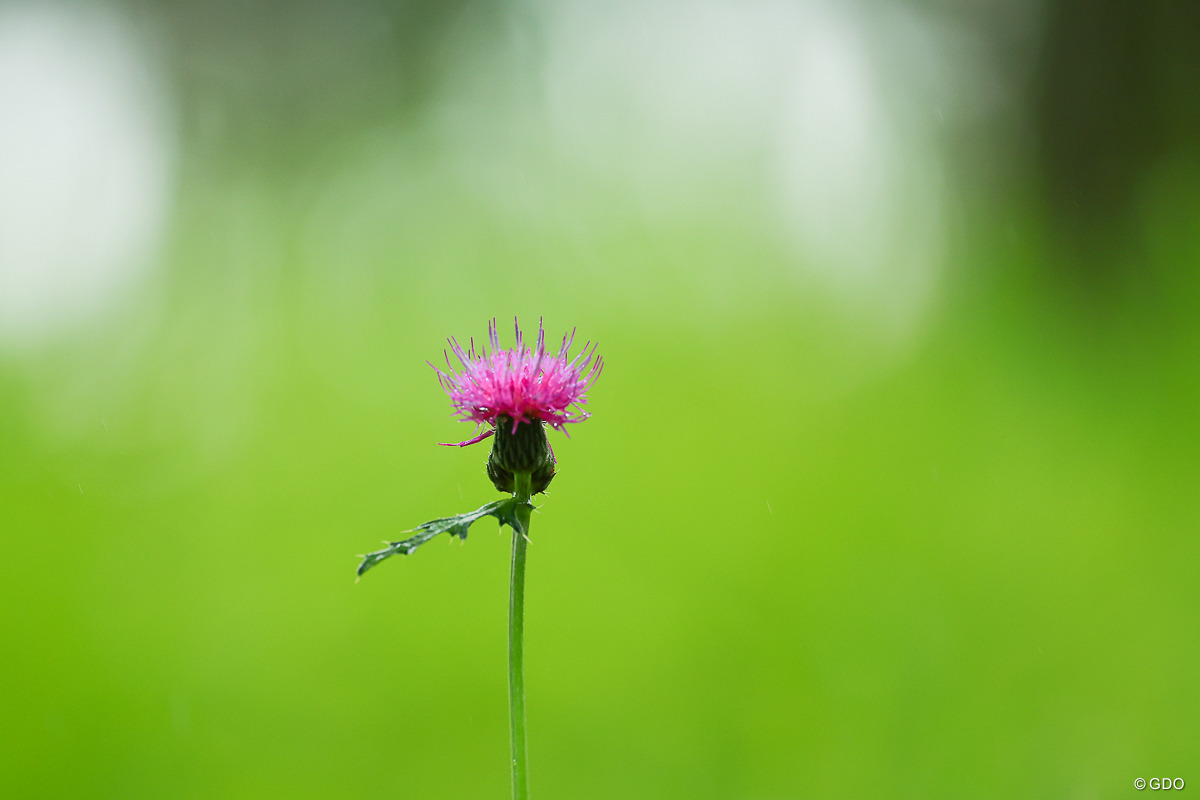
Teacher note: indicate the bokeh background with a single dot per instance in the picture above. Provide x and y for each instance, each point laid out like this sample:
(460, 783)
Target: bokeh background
(891, 484)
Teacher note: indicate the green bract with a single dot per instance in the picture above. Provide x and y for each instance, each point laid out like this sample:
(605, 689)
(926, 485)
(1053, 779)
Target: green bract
(524, 449)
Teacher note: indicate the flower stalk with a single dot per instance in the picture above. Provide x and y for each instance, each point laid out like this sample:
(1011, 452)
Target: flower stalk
(516, 640)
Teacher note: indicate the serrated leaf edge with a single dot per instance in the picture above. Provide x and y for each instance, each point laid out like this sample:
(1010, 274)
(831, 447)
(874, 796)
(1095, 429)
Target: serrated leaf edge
(503, 510)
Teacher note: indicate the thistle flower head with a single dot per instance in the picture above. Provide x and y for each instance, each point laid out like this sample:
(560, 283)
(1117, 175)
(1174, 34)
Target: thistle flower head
(523, 384)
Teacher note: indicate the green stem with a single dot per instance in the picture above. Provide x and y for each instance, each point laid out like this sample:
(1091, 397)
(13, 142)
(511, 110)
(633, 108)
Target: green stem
(522, 483)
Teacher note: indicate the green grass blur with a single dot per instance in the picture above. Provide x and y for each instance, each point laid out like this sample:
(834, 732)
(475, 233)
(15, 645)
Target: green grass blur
(798, 551)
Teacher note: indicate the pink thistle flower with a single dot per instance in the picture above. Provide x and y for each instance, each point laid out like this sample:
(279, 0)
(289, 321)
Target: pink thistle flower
(524, 384)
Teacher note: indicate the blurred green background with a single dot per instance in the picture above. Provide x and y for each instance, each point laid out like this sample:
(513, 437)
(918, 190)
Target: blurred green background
(891, 485)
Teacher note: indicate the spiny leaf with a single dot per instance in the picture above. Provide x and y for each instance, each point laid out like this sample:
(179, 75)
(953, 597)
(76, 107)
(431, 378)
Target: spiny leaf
(503, 510)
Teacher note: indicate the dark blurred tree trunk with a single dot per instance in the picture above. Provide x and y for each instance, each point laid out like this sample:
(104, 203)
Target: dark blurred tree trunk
(1118, 89)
